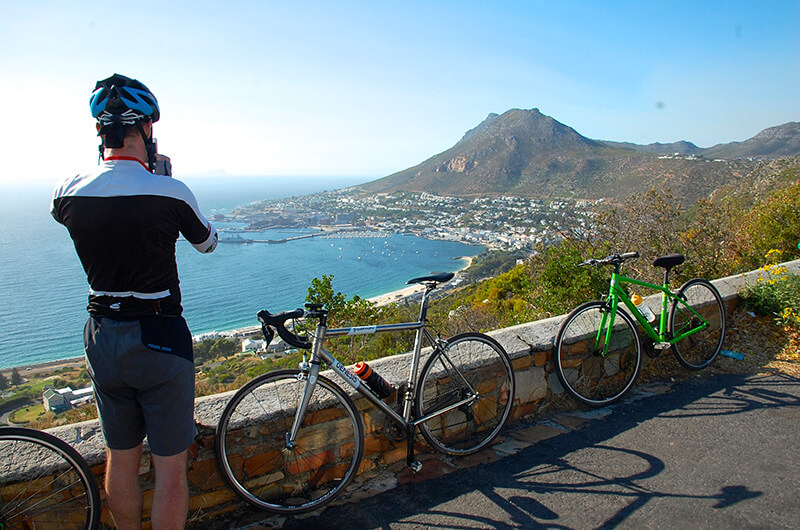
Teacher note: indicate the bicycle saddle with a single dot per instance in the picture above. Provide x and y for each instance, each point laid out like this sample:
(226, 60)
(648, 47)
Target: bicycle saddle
(668, 261)
(438, 278)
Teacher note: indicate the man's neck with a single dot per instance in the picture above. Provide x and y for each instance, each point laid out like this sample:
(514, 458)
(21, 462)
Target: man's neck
(136, 151)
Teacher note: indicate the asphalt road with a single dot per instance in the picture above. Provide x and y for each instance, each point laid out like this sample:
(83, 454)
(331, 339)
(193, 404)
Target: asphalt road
(713, 453)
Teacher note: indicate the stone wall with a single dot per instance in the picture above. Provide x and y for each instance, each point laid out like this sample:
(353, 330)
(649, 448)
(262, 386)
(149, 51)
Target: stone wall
(529, 345)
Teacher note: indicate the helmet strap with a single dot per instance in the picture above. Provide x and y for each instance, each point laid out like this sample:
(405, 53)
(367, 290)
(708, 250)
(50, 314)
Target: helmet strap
(150, 146)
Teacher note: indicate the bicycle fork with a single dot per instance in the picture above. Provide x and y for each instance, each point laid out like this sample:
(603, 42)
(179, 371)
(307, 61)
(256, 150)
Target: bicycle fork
(309, 372)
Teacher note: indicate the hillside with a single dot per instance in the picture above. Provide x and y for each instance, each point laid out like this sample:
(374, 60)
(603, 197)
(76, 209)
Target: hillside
(681, 148)
(526, 153)
(775, 142)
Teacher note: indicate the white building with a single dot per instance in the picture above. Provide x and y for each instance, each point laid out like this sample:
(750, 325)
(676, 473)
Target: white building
(254, 345)
(60, 399)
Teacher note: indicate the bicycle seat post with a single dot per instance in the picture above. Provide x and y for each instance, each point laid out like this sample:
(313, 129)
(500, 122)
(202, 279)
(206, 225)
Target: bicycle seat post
(423, 306)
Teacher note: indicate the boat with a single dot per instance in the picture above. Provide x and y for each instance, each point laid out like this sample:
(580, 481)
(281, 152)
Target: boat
(235, 238)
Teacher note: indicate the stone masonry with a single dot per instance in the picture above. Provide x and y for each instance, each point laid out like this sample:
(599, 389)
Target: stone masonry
(529, 345)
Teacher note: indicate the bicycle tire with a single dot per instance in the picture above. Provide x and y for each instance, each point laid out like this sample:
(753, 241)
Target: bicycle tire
(698, 350)
(449, 375)
(45, 483)
(582, 369)
(252, 452)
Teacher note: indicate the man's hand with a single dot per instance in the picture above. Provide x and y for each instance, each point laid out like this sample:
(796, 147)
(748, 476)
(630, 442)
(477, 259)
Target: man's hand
(163, 165)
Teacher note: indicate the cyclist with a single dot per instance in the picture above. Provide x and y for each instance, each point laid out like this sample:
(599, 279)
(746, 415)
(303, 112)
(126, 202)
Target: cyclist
(124, 221)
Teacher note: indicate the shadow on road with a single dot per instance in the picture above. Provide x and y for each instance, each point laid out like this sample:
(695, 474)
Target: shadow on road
(611, 479)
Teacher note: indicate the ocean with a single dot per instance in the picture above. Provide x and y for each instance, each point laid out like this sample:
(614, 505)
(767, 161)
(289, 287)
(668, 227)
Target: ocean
(43, 290)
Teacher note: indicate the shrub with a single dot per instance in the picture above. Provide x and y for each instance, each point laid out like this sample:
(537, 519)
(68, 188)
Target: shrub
(775, 293)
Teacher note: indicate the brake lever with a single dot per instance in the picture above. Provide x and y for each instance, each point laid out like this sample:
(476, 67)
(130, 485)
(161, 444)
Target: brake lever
(268, 332)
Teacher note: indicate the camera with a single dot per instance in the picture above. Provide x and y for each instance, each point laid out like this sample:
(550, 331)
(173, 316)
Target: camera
(162, 164)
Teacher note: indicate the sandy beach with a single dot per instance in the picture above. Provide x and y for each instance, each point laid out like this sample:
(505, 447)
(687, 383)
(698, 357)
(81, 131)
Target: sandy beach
(397, 296)
(43, 368)
(411, 290)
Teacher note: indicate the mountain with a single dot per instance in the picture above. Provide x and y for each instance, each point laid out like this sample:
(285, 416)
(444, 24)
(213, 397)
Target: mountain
(775, 142)
(526, 153)
(680, 148)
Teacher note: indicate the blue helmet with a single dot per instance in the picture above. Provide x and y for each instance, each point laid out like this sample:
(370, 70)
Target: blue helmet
(120, 100)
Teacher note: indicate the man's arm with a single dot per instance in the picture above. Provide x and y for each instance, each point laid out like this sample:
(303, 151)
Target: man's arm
(209, 243)
(195, 227)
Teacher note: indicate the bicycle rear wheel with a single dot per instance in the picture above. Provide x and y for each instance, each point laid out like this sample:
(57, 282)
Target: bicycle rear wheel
(473, 368)
(252, 443)
(44, 483)
(699, 349)
(592, 369)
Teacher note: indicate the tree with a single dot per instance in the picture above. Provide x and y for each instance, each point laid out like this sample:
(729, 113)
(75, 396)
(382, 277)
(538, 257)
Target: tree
(321, 292)
(16, 379)
(4, 384)
(353, 312)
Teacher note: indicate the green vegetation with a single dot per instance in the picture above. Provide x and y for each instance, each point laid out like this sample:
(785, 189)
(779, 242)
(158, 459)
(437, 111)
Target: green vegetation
(27, 414)
(719, 237)
(26, 397)
(776, 293)
(360, 312)
(214, 348)
(491, 263)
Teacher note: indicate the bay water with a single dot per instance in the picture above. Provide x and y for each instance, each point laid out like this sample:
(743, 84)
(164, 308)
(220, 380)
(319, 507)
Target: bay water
(43, 290)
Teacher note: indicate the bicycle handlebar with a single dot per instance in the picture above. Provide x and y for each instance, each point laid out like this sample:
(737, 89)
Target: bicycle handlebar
(277, 322)
(613, 259)
(271, 323)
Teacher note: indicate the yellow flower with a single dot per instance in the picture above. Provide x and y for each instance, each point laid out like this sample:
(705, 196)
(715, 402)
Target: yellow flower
(774, 255)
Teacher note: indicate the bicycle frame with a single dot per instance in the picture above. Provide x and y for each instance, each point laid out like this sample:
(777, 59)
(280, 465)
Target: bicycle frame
(319, 355)
(617, 294)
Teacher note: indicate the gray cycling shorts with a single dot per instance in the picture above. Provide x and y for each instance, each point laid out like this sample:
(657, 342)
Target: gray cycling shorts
(143, 376)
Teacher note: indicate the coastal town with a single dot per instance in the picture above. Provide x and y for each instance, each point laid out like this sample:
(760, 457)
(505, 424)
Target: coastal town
(500, 223)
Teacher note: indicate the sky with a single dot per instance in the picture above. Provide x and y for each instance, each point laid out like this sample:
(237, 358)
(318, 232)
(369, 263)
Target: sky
(369, 88)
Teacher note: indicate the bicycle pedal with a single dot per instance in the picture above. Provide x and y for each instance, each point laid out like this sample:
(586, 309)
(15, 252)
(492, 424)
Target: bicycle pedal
(662, 346)
(416, 466)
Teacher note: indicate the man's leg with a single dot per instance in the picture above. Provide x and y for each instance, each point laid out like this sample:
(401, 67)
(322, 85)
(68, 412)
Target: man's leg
(122, 487)
(171, 498)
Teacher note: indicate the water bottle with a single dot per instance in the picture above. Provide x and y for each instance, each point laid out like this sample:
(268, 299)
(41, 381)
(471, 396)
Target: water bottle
(643, 308)
(377, 383)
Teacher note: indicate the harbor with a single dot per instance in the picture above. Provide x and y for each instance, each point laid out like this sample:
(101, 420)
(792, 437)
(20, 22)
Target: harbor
(340, 233)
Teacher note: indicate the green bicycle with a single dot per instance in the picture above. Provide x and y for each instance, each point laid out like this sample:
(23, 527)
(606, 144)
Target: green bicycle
(598, 349)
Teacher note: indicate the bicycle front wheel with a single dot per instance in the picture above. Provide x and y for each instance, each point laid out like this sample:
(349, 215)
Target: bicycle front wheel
(592, 368)
(698, 350)
(44, 483)
(467, 388)
(256, 458)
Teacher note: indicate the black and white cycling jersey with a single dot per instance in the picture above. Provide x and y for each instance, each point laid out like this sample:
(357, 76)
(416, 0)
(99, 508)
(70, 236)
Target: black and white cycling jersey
(124, 222)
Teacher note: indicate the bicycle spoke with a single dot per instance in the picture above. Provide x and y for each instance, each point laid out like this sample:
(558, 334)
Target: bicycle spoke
(700, 312)
(596, 361)
(472, 369)
(258, 461)
(44, 483)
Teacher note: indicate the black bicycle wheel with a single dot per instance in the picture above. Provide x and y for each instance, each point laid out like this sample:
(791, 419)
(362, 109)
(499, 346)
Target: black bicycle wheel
(594, 371)
(699, 349)
(472, 367)
(44, 483)
(252, 450)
